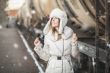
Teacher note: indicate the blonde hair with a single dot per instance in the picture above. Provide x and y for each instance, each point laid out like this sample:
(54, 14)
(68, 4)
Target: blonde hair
(55, 32)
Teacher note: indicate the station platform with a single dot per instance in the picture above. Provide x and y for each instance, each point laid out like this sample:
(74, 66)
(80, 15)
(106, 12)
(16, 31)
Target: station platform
(14, 57)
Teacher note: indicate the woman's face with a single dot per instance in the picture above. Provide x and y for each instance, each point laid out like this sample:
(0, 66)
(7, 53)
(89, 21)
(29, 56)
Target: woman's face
(55, 22)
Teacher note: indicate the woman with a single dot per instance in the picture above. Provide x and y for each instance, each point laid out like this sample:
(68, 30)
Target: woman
(59, 44)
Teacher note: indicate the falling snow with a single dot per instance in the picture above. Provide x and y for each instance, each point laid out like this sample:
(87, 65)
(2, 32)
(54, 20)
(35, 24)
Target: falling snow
(25, 57)
(1, 27)
(15, 45)
(14, 64)
(2, 67)
(19, 64)
(87, 13)
(7, 56)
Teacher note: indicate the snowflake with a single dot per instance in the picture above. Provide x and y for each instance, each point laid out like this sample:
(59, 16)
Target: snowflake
(25, 57)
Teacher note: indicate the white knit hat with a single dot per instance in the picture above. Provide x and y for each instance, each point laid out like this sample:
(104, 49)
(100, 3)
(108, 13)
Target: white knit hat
(63, 20)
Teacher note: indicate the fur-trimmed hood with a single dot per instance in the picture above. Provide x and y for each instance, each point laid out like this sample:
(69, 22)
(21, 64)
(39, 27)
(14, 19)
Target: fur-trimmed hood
(63, 29)
(63, 20)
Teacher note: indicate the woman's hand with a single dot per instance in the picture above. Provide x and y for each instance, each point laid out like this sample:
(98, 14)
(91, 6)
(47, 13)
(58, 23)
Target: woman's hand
(37, 42)
(74, 38)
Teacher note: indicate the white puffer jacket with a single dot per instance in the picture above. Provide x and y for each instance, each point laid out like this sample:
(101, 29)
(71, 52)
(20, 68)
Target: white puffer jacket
(62, 48)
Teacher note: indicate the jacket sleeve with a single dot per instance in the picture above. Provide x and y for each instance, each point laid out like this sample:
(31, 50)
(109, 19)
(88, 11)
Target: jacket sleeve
(75, 50)
(43, 53)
